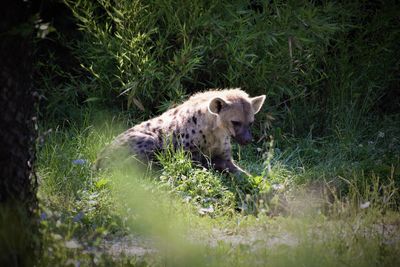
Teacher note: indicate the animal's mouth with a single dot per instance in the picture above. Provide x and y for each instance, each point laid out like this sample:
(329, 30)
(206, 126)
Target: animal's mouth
(241, 141)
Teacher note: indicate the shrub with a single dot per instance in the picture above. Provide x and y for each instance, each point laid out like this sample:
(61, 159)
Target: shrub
(317, 62)
(154, 53)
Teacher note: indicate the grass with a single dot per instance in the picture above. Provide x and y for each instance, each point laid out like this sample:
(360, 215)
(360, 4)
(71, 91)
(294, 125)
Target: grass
(321, 65)
(310, 202)
(325, 181)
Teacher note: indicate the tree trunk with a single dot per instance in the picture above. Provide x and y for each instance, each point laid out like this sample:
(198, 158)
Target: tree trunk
(18, 203)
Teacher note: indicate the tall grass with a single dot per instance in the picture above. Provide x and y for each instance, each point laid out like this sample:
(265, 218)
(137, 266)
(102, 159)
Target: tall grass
(314, 61)
(326, 173)
(192, 214)
(317, 62)
(179, 47)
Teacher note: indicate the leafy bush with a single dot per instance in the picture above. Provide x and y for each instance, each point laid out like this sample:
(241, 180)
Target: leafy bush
(317, 62)
(204, 189)
(168, 48)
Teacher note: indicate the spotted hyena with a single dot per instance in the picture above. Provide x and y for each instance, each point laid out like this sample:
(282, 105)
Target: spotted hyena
(203, 125)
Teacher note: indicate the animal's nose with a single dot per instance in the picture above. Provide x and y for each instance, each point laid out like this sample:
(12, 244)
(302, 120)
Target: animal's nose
(247, 138)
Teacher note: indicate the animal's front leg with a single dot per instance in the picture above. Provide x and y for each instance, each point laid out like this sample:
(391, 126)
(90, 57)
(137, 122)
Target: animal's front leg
(222, 164)
(233, 168)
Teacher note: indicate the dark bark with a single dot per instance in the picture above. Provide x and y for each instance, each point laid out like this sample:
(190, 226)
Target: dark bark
(18, 203)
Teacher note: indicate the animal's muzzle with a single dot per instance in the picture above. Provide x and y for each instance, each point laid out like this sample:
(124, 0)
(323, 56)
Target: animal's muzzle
(244, 137)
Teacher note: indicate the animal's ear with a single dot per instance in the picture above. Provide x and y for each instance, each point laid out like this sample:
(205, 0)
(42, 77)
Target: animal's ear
(216, 104)
(257, 103)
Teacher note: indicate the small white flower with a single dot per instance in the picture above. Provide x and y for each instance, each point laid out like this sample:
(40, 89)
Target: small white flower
(187, 199)
(381, 134)
(56, 236)
(243, 207)
(72, 244)
(203, 211)
(278, 187)
(365, 205)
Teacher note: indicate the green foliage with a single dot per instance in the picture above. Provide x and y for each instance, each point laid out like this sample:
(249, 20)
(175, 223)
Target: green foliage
(76, 211)
(68, 187)
(18, 234)
(196, 185)
(323, 66)
(365, 65)
(213, 193)
(306, 57)
(330, 161)
(81, 208)
(159, 50)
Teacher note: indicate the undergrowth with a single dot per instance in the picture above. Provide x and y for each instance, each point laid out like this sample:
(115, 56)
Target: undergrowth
(324, 66)
(81, 208)
(325, 165)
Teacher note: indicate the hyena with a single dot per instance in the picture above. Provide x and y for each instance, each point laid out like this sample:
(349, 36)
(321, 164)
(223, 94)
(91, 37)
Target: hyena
(203, 125)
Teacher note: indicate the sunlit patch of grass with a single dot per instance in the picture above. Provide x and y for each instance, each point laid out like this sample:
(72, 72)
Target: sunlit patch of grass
(77, 210)
(349, 233)
(290, 206)
(207, 190)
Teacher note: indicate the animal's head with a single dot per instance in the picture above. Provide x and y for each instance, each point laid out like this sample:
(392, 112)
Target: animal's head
(235, 113)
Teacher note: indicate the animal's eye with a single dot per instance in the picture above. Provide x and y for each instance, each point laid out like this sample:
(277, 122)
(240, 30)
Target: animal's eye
(236, 123)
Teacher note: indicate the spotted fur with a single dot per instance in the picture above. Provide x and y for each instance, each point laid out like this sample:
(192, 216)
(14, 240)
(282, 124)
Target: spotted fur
(203, 125)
